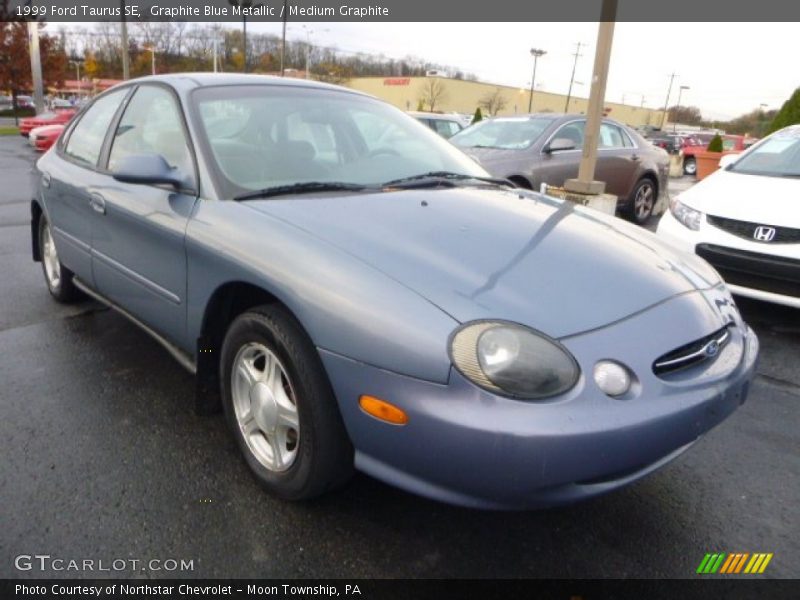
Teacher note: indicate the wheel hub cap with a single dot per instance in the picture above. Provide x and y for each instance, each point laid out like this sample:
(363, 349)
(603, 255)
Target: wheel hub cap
(264, 407)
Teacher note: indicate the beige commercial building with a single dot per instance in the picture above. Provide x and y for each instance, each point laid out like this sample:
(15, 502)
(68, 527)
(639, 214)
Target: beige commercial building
(457, 95)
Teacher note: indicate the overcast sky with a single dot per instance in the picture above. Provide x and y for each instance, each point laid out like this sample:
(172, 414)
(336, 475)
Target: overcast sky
(756, 63)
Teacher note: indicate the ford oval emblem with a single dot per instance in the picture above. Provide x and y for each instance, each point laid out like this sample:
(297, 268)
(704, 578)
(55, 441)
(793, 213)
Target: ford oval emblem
(712, 349)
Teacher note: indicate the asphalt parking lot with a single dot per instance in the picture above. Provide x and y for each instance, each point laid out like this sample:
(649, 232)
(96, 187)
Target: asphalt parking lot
(103, 458)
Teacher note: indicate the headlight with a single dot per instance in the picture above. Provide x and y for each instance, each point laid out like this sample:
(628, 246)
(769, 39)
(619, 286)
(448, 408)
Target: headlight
(513, 360)
(689, 217)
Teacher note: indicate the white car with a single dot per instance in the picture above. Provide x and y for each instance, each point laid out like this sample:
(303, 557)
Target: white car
(744, 219)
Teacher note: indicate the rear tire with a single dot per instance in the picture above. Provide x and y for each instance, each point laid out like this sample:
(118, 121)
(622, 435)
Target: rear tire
(57, 277)
(281, 407)
(690, 166)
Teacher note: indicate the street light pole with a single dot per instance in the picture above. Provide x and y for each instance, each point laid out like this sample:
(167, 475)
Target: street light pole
(126, 61)
(36, 66)
(680, 91)
(535, 53)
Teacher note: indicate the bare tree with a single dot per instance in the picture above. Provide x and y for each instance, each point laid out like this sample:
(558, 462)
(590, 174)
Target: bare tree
(493, 102)
(433, 92)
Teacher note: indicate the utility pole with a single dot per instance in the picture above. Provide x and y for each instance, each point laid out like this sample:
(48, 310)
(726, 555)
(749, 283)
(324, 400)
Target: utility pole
(572, 78)
(283, 39)
(36, 66)
(126, 59)
(585, 183)
(666, 102)
(535, 53)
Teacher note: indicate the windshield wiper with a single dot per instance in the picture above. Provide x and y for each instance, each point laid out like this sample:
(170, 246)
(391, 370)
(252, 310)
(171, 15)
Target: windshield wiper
(303, 188)
(434, 178)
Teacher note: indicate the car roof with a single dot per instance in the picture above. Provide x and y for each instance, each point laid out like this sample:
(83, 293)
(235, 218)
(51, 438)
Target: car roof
(201, 79)
(430, 115)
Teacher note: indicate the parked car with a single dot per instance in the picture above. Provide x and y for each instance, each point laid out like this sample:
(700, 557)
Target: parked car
(744, 219)
(5, 102)
(60, 103)
(25, 102)
(42, 138)
(546, 148)
(445, 125)
(56, 117)
(674, 143)
(358, 293)
(730, 143)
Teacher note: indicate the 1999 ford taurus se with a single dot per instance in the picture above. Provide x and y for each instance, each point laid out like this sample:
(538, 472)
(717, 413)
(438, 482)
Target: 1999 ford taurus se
(357, 293)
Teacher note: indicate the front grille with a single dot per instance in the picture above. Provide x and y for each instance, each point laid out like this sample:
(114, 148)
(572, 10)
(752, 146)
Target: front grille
(747, 230)
(693, 353)
(754, 270)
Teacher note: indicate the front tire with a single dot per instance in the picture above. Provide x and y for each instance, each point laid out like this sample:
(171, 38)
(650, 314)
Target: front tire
(642, 201)
(690, 166)
(57, 277)
(279, 403)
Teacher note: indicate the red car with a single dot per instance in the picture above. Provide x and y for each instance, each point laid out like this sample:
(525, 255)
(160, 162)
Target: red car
(730, 143)
(48, 118)
(42, 138)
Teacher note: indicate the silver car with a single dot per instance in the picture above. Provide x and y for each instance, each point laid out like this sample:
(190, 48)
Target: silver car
(356, 293)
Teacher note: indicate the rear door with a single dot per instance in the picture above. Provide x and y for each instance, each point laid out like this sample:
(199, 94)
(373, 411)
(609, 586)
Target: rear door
(71, 180)
(617, 160)
(139, 255)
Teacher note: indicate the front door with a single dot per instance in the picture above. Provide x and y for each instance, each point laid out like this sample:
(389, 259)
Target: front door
(138, 252)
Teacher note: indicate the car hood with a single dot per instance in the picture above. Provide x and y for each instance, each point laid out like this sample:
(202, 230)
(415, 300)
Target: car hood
(480, 253)
(753, 198)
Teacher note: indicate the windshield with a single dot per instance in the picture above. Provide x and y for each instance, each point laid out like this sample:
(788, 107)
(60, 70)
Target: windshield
(776, 156)
(264, 136)
(510, 133)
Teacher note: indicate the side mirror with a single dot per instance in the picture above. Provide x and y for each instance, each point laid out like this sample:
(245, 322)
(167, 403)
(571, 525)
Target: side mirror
(150, 169)
(560, 144)
(728, 160)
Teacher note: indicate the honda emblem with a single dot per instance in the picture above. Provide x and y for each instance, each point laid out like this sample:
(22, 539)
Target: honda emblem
(764, 233)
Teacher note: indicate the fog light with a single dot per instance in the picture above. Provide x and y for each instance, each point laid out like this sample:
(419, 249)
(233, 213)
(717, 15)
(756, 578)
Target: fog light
(612, 378)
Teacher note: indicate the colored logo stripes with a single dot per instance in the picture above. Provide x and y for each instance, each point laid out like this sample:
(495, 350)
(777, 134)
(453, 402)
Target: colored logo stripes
(722, 562)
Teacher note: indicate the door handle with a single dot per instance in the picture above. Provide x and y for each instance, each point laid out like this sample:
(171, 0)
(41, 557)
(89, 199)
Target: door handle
(45, 179)
(635, 157)
(98, 203)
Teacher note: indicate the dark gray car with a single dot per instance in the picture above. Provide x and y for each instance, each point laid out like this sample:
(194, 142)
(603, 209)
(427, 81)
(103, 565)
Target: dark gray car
(546, 148)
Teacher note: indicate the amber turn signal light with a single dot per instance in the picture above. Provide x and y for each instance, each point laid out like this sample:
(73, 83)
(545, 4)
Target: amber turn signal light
(380, 409)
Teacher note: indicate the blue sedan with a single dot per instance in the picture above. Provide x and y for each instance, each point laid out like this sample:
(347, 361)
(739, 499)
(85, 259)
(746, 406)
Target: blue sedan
(356, 293)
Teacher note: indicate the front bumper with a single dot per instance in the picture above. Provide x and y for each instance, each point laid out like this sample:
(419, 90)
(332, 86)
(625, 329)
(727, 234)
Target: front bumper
(466, 446)
(767, 272)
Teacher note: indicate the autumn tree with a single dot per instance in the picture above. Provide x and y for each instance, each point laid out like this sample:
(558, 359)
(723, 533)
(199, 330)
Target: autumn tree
(685, 115)
(434, 92)
(493, 102)
(15, 61)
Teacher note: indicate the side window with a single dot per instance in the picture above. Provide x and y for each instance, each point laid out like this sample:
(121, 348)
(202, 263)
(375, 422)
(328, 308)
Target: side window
(86, 139)
(610, 136)
(573, 132)
(151, 124)
(446, 129)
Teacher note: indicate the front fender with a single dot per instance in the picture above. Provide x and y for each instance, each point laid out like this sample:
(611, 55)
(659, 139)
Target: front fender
(345, 305)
